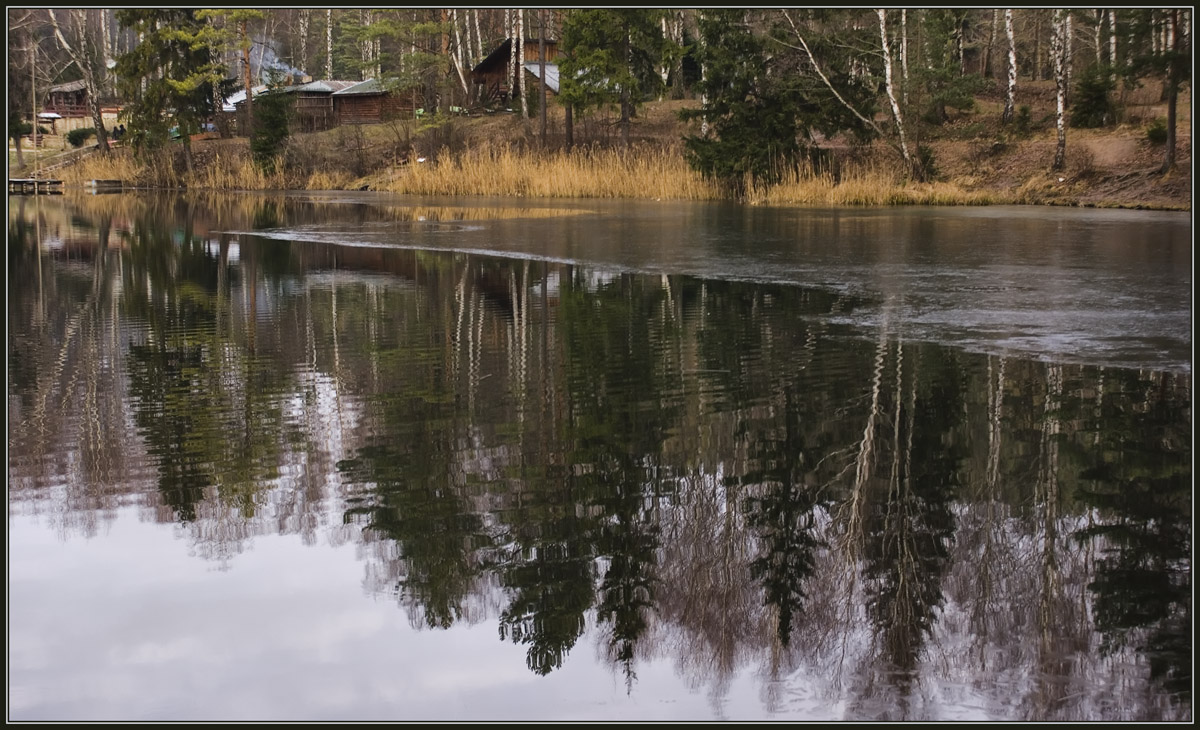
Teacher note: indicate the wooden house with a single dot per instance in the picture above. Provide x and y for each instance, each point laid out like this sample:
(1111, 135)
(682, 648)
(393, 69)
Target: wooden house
(491, 77)
(373, 101)
(67, 100)
(313, 110)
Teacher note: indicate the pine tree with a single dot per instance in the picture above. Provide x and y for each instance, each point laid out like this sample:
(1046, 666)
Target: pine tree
(168, 76)
(611, 56)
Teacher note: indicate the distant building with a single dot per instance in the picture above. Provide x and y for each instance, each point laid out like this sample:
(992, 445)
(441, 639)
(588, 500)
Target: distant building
(491, 76)
(374, 101)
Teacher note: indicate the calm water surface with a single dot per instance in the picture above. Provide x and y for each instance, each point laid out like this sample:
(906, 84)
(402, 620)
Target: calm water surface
(373, 458)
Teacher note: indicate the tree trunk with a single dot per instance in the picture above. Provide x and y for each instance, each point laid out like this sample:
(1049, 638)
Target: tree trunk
(1098, 35)
(304, 19)
(904, 57)
(1058, 48)
(1112, 38)
(1068, 56)
(542, 70)
(1172, 87)
(457, 55)
(626, 101)
(913, 166)
(521, 62)
(364, 48)
(1010, 97)
(985, 68)
(478, 36)
(82, 54)
(106, 46)
(329, 43)
(569, 126)
(1037, 45)
(187, 150)
(33, 112)
(247, 82)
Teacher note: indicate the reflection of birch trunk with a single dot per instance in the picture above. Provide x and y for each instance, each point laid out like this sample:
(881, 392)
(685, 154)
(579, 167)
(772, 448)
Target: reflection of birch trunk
(518, 339)
(1050, 689)
(852, 532)
(983, 608)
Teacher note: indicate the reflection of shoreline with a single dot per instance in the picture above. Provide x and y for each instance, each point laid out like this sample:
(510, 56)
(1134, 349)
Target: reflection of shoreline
(473, 422)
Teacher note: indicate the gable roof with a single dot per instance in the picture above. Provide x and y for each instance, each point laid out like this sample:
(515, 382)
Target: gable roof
(534, 67)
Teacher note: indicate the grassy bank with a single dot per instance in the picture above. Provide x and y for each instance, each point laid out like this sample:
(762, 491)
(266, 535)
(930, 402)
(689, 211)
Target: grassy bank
(646, 172)
(501, 155)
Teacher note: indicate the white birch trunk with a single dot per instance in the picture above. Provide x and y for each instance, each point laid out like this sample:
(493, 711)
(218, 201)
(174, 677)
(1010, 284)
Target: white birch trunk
(521, 62)
(1099, 36)
(1112, 37)
(891, 91)
(1068, 56)
(79, 50)
(106, 39)
(364, 47)
(904, 55)
(510, 26)
(329, 43)
(1010, 97)
(991, 44)
(1058, 48)
(478, 36)
(457, 54)
(303, 61)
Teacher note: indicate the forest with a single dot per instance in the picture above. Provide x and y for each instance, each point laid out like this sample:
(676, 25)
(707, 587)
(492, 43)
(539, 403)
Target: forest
(760, 93)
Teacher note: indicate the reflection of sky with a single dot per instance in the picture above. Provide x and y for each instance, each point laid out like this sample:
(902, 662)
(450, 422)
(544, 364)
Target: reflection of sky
(286, 633)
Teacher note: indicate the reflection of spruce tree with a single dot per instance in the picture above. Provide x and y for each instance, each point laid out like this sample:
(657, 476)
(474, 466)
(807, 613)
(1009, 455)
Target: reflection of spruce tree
(168, 375)
(201, 430)
(627, 593)
(553, 584)
(784, 517)
(412, 503)
(1142, 485)
(617, 417)
(909, 531)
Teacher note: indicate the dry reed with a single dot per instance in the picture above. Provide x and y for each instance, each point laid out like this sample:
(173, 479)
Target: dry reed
(642, 172)
(864, 185)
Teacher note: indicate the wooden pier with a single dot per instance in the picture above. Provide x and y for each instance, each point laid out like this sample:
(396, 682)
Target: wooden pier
(34, 186)
(104, 186)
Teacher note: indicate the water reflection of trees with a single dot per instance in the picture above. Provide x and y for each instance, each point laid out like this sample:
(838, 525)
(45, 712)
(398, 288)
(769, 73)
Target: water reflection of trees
(709, 473)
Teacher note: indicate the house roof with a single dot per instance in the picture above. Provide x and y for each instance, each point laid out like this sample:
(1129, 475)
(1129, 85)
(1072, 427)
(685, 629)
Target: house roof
(534, 67)
(69, 86)
(323, 87)
(369, 87)
(502, 53)
(238, 97)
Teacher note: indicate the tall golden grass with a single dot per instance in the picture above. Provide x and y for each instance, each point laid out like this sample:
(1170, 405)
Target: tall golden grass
(651, 172)
(865, 184)
(656, 172)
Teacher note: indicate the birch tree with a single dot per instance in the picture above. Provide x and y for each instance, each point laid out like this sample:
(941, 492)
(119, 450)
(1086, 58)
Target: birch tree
(329, 43)
(1058, 49)
(304, 23)
(1010, 96)
(897, 114)
(1174, 71)
(81, 49)
(1112, 38)
(520, 61)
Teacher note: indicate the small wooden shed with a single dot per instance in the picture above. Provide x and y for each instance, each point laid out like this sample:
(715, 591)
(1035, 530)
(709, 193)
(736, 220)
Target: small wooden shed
(313, 110)
(67, 100)
(491, 75)
(374, 101)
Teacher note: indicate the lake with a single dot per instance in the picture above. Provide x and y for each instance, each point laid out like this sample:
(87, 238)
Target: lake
(365, 457)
